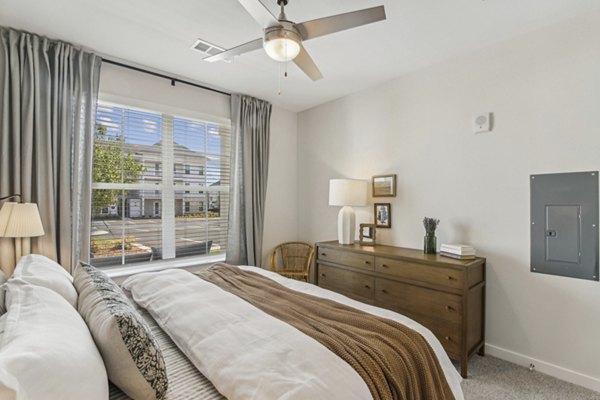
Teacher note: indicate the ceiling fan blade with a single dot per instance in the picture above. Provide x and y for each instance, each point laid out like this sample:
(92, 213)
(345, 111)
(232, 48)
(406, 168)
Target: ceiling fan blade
(260, 13)
(335, 23)
(236, 51)
(307, 65)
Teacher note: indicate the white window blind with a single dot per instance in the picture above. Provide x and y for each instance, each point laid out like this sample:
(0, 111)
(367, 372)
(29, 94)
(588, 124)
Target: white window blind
(161, 186)
(202, 185)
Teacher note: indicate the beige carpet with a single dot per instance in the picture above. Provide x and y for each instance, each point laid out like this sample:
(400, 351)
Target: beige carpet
(493, 379)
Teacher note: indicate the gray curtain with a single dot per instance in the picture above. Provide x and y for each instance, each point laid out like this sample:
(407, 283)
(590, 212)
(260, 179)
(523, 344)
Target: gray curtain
(48, 95)
(250, 165)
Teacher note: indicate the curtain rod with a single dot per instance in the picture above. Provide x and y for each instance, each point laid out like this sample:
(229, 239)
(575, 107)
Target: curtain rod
(170, 78)
(10, 196)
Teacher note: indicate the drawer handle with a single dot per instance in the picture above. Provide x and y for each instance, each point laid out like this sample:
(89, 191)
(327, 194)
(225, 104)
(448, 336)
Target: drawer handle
(323, 254)
(367, 262)
(384, 291)
(384, 265)
(451, 278)
(323, 275)
(450, 308)
(367, 287)
(447, 338)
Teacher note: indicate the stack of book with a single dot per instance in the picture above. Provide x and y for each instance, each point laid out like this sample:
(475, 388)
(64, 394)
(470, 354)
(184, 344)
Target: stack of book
(458, 251)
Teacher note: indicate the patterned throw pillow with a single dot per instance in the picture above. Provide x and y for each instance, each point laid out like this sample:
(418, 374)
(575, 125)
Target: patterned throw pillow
(131, 354)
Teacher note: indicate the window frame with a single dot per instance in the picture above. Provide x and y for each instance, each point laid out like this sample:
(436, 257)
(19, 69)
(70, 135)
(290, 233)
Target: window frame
(169, 259)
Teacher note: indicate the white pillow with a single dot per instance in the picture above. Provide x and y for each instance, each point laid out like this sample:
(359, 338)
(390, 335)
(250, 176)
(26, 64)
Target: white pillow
(2, 323)
(2, 280)
(46, 350)
(42, 271)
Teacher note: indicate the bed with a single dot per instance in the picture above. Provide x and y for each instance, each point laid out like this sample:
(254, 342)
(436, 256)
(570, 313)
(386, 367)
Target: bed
(231, 348)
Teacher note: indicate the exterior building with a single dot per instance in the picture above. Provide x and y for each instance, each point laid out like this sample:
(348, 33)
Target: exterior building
(189, 168)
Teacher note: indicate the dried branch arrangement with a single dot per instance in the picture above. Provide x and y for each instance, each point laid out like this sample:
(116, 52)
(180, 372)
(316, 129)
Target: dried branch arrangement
(430, 225)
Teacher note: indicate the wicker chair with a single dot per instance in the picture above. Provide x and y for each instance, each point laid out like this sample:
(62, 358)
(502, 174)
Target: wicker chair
(292, 260)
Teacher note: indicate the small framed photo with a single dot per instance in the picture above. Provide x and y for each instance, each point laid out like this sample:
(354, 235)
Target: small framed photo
(383, 215)
(367, 235)
(384, 186)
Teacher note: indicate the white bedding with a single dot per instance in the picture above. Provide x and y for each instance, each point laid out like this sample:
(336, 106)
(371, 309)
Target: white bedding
(246, 353)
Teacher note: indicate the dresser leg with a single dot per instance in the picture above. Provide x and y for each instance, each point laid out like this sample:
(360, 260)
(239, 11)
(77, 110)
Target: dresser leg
(481, 350)
(463, 367)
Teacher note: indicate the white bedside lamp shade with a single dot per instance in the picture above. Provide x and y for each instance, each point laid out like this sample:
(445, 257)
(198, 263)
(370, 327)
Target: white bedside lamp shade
(5, 213)
(347, 193)
(19, 220)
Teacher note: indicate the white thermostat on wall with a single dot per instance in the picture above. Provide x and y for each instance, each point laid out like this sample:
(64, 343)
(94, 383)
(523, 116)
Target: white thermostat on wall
(482, 123)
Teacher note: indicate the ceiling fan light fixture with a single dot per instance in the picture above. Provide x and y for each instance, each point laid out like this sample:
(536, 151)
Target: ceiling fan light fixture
(281, 44)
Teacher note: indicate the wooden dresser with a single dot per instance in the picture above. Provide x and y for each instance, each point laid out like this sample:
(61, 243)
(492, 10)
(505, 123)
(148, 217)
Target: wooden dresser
(445, 295)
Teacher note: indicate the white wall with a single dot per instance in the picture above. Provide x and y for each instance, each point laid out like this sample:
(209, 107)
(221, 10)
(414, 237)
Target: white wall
(544, 89)
(281, 216)
(148, 91)
(281, 219)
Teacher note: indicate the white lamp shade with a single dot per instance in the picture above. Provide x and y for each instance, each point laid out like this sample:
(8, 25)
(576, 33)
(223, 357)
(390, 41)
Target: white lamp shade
(347, 192)
(19, 220)
(5, 213)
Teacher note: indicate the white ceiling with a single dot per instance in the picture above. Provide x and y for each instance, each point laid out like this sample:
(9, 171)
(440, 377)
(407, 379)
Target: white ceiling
(159, 33)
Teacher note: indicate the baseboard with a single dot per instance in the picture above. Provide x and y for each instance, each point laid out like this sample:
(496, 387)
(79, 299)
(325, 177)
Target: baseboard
(545, 367)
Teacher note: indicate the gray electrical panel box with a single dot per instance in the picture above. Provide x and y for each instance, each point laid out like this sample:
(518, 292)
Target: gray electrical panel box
(564, 224)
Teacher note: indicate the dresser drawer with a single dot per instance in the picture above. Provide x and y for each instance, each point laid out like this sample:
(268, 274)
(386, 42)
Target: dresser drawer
(357, 260)
(353, 284)
(449, 335)
(427, 302)
(420, 272)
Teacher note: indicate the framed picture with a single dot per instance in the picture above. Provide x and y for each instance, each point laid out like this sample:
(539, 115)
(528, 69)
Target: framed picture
(383, 215)
(367, 234)
(384, 186)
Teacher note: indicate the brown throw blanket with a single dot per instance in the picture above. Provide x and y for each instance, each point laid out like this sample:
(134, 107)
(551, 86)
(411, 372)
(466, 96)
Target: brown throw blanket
(395, 361)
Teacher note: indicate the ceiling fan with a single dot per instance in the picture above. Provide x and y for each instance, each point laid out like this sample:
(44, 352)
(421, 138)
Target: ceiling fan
(282, 39)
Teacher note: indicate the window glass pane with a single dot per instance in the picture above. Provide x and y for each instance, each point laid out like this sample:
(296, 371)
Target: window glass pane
(198, 230)
(204, 147)
(129, 232)
(127, 145)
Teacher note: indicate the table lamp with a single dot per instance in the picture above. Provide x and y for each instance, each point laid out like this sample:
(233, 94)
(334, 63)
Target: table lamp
(20, 220)
(347, 193)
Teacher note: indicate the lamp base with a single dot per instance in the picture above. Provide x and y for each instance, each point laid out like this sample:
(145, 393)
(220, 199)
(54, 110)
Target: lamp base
(22, 248)
(346, 225)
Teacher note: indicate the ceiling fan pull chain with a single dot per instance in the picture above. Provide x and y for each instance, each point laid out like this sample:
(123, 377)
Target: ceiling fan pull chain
(279, 79)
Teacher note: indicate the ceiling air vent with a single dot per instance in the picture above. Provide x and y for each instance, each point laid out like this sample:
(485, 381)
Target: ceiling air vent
(207, 48)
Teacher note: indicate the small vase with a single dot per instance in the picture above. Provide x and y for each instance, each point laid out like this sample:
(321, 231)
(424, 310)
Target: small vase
(430, 244)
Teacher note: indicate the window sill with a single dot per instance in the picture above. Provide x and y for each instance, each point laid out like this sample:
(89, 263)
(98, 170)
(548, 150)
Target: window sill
(153, 266)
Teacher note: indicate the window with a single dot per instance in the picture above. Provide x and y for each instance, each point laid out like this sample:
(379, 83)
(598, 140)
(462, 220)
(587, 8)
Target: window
(201, 170)
(138, 207)
(203, 146)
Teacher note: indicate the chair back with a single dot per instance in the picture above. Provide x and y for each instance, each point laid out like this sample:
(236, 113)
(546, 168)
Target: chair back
(292, 258)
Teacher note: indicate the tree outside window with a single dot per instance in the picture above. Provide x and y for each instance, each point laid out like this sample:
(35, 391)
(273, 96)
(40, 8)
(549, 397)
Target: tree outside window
(111, 165)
